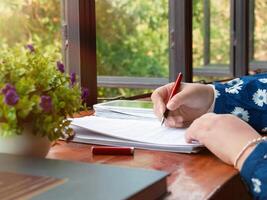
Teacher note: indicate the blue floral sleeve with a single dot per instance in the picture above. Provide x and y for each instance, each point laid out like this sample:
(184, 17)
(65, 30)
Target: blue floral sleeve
(254, 172)
(246, 98)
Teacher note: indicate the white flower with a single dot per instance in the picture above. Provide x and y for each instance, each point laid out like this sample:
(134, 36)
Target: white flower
(256, 184)
(235, 86)
(217, 94)
(263, 80)
(241, 113)
(264, 130)
(234, 89)
(260, 97)
(236, 81)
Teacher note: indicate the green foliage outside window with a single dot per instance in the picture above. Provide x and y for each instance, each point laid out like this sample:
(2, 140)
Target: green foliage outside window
(132, 35)
(132, 38)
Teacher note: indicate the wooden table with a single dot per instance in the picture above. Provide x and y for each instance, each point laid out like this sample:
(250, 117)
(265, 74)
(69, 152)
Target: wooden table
(197, 176)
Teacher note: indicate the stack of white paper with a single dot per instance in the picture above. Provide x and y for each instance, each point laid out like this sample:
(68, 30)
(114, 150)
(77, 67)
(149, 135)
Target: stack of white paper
(146, 134)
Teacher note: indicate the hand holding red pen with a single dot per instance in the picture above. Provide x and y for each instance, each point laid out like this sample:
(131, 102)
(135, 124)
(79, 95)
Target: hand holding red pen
(174, 91)
(191, 101)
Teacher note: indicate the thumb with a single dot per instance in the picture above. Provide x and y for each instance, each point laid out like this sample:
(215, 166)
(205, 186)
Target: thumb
(177, 100)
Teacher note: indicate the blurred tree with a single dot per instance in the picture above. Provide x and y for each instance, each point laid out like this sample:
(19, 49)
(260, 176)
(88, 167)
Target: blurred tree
(260, 36)
(132, 35)
(31, 21)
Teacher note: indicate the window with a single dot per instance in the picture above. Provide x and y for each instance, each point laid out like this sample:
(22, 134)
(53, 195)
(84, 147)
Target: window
(132, 44)
(207, 39)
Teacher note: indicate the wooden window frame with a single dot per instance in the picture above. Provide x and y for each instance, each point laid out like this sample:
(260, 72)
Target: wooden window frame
(79, 40)
(239, 37)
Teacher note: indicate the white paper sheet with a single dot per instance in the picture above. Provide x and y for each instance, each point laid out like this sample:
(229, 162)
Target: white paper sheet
(145, 133)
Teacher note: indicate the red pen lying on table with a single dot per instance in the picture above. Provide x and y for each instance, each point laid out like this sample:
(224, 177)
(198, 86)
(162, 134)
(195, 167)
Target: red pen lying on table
(106, 150)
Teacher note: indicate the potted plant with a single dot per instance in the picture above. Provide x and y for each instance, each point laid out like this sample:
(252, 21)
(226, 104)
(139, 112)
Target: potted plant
(36, 97)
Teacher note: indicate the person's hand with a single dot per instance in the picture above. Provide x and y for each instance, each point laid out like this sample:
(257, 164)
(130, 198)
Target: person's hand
(225, 135)
(191, 101)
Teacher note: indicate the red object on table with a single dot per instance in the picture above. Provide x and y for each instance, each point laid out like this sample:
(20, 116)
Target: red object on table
(96, 150)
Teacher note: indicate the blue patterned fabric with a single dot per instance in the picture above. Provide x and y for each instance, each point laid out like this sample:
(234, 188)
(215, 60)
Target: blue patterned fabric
(246, 98)
(254, 171)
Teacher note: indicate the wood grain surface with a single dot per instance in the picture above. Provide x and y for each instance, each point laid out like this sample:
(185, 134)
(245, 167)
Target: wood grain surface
(193, 176)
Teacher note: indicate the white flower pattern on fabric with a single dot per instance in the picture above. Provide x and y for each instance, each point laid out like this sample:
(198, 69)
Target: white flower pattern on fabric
(263, 80)
(235, 81)
(256, 184)
(264, 130)
(235, 86)
(241, 113)
(217, 94)
(260, 97)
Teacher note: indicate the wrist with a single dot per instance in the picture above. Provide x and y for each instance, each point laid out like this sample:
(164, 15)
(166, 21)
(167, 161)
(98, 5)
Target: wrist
(242, 158)
(246, 151)
(212, 97)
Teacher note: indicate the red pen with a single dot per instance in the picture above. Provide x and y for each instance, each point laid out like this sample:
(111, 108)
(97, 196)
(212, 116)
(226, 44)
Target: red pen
(96, 150)
(174, 91)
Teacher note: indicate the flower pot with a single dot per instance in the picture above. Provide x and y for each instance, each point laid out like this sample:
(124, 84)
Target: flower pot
(25, 144)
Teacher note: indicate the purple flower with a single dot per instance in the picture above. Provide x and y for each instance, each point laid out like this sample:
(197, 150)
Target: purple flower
(72, 78)
(60, 67)
(11, 97)
(30, 48)
(85, 94)
(46, 103)
(7, 88)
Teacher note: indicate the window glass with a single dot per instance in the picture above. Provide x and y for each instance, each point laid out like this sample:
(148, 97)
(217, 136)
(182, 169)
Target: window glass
(132, 38)
(260, 29)
(198, 33)
(220, 32)
(211, 39)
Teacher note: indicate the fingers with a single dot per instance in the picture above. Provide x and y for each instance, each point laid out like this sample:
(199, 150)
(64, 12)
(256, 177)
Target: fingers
(172, 123)
(176, 120)
(159, 97)
(190, 132)
(159, 108)
(199, 128)
(158, 103)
